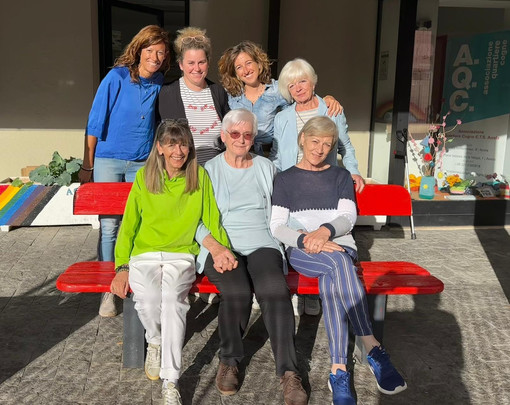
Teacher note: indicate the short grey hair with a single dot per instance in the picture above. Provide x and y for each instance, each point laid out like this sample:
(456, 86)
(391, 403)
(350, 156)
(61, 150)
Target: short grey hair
(237, 116)
(320, 126)
(293, 70)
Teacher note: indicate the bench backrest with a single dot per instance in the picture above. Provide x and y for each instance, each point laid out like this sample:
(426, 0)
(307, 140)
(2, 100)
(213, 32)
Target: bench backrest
(110, 199)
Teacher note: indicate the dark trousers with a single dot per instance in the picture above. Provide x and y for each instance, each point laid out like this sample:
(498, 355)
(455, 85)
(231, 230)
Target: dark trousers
(262, 271)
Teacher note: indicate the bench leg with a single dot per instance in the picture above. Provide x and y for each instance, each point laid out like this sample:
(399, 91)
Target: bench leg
(134, 336)
(377, 310)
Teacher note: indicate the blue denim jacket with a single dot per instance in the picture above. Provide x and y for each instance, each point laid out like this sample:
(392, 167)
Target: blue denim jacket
(265, 108)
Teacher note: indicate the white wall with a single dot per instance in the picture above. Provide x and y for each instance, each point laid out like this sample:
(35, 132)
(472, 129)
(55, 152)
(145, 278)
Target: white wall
(48, 77)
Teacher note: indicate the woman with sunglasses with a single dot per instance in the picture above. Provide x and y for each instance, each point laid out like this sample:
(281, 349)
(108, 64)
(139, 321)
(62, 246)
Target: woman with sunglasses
(246, 75)
(121, 124)
(156, 247)
(194, 97)
(243, 183)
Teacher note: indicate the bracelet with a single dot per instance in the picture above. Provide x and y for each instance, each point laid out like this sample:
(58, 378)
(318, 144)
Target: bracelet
(121, 268)
(88, 170)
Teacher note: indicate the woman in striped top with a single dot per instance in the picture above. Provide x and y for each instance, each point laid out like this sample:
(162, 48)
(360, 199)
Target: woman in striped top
(194, 97)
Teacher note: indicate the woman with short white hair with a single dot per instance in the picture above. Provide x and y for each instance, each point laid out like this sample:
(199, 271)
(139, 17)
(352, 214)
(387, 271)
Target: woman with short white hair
(243, 183)
(297, 83)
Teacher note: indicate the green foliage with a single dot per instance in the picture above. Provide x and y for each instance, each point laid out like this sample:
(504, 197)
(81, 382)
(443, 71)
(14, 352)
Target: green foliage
(17, 182)
(59, 171)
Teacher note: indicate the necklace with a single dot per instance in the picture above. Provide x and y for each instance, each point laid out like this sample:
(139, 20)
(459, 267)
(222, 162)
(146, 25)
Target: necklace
(144, 95)
(301, 118)
(254, 97)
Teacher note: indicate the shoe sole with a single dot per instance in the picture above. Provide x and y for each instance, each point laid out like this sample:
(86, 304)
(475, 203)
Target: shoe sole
(151, 377)
(227, 393)
(398, 389)
(108, 315)
(330, 389)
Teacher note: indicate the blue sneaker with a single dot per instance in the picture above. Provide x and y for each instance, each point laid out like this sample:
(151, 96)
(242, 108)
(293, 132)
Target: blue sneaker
(389, 381)
(340, 385)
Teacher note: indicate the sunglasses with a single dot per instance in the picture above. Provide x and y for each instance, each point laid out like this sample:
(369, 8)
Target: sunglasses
(236, 135)
(196, 38)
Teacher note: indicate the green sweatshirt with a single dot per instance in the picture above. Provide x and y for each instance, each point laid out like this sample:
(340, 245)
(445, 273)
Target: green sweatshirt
(167, 222)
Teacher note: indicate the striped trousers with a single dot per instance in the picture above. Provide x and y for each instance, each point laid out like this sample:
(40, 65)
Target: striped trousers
(342, 295)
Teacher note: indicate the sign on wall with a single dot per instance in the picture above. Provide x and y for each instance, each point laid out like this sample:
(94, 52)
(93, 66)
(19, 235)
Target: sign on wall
(477, 91)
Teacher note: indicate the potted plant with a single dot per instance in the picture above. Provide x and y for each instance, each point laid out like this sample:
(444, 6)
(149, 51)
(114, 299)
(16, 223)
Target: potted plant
(59, 171)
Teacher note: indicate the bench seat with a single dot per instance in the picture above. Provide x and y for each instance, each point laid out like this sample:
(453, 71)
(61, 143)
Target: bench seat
(381, 278)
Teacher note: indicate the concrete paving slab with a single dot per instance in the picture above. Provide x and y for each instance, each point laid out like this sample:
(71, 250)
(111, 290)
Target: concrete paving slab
(452, 348)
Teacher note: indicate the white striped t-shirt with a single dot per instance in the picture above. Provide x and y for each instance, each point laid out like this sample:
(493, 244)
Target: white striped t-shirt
(302, 118)
(204, 122)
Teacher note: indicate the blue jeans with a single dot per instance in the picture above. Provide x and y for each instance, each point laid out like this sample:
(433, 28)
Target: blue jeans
(107, 170)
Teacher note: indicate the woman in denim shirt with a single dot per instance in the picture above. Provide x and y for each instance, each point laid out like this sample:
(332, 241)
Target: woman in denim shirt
(246, 75)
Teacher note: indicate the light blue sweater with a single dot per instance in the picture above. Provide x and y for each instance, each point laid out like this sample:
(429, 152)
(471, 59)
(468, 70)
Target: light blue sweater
(265, 172)
(285, 143)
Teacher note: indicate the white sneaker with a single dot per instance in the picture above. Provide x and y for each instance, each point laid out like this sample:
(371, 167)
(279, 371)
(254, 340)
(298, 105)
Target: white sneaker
(298, 304)
(255, 304)
(312, 305)
(153, 362)
(171, 395)
(210, 298)
(107, 308)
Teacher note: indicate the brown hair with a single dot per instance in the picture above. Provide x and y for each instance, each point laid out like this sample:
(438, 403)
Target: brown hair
(192, 38)
(227, 70)
(171, 131)
(147, 36)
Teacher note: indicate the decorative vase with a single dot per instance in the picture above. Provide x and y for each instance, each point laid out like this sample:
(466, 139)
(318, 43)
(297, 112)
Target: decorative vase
(427, 187)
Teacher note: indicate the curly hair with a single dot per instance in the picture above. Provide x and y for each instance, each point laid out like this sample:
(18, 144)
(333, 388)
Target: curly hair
(147, 36)
(192, 38)
(227, 71)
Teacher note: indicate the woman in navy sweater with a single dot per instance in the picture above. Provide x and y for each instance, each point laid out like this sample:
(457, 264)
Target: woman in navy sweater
(314, 211)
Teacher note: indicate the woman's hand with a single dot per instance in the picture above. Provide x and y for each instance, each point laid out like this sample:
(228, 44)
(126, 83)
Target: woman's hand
(331, 247)
(359, 183)
(224, 260)
(85, 176)
(120, 284)
(334, 107)
(314, 241)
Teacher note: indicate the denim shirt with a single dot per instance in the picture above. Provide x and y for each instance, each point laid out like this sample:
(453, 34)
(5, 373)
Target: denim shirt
(265, 108)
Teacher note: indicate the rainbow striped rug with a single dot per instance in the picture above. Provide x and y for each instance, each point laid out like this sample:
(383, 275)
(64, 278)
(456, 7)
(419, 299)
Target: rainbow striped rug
(35, 205)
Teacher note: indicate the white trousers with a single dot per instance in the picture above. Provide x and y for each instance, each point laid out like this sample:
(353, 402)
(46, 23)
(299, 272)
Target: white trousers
(161, 282)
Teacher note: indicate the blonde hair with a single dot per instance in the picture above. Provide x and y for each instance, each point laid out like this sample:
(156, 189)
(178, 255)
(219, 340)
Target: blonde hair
(171, 132)
(322, 127)
(147, 36)
(293, 70)
(227, 69)
(192, 38)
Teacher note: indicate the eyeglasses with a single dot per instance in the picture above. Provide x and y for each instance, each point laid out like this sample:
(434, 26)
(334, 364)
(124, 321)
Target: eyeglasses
(196, 38)
(236, 135)
(177, 121)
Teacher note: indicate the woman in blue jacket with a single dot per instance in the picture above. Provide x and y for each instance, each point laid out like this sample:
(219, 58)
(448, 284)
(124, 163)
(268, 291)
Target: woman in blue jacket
(297, 85)
(121, 125)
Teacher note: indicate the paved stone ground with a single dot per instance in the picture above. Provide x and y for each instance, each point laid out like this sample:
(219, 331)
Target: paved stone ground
(452, 348)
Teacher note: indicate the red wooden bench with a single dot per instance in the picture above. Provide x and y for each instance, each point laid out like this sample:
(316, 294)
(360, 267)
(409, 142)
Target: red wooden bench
(379, 278)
